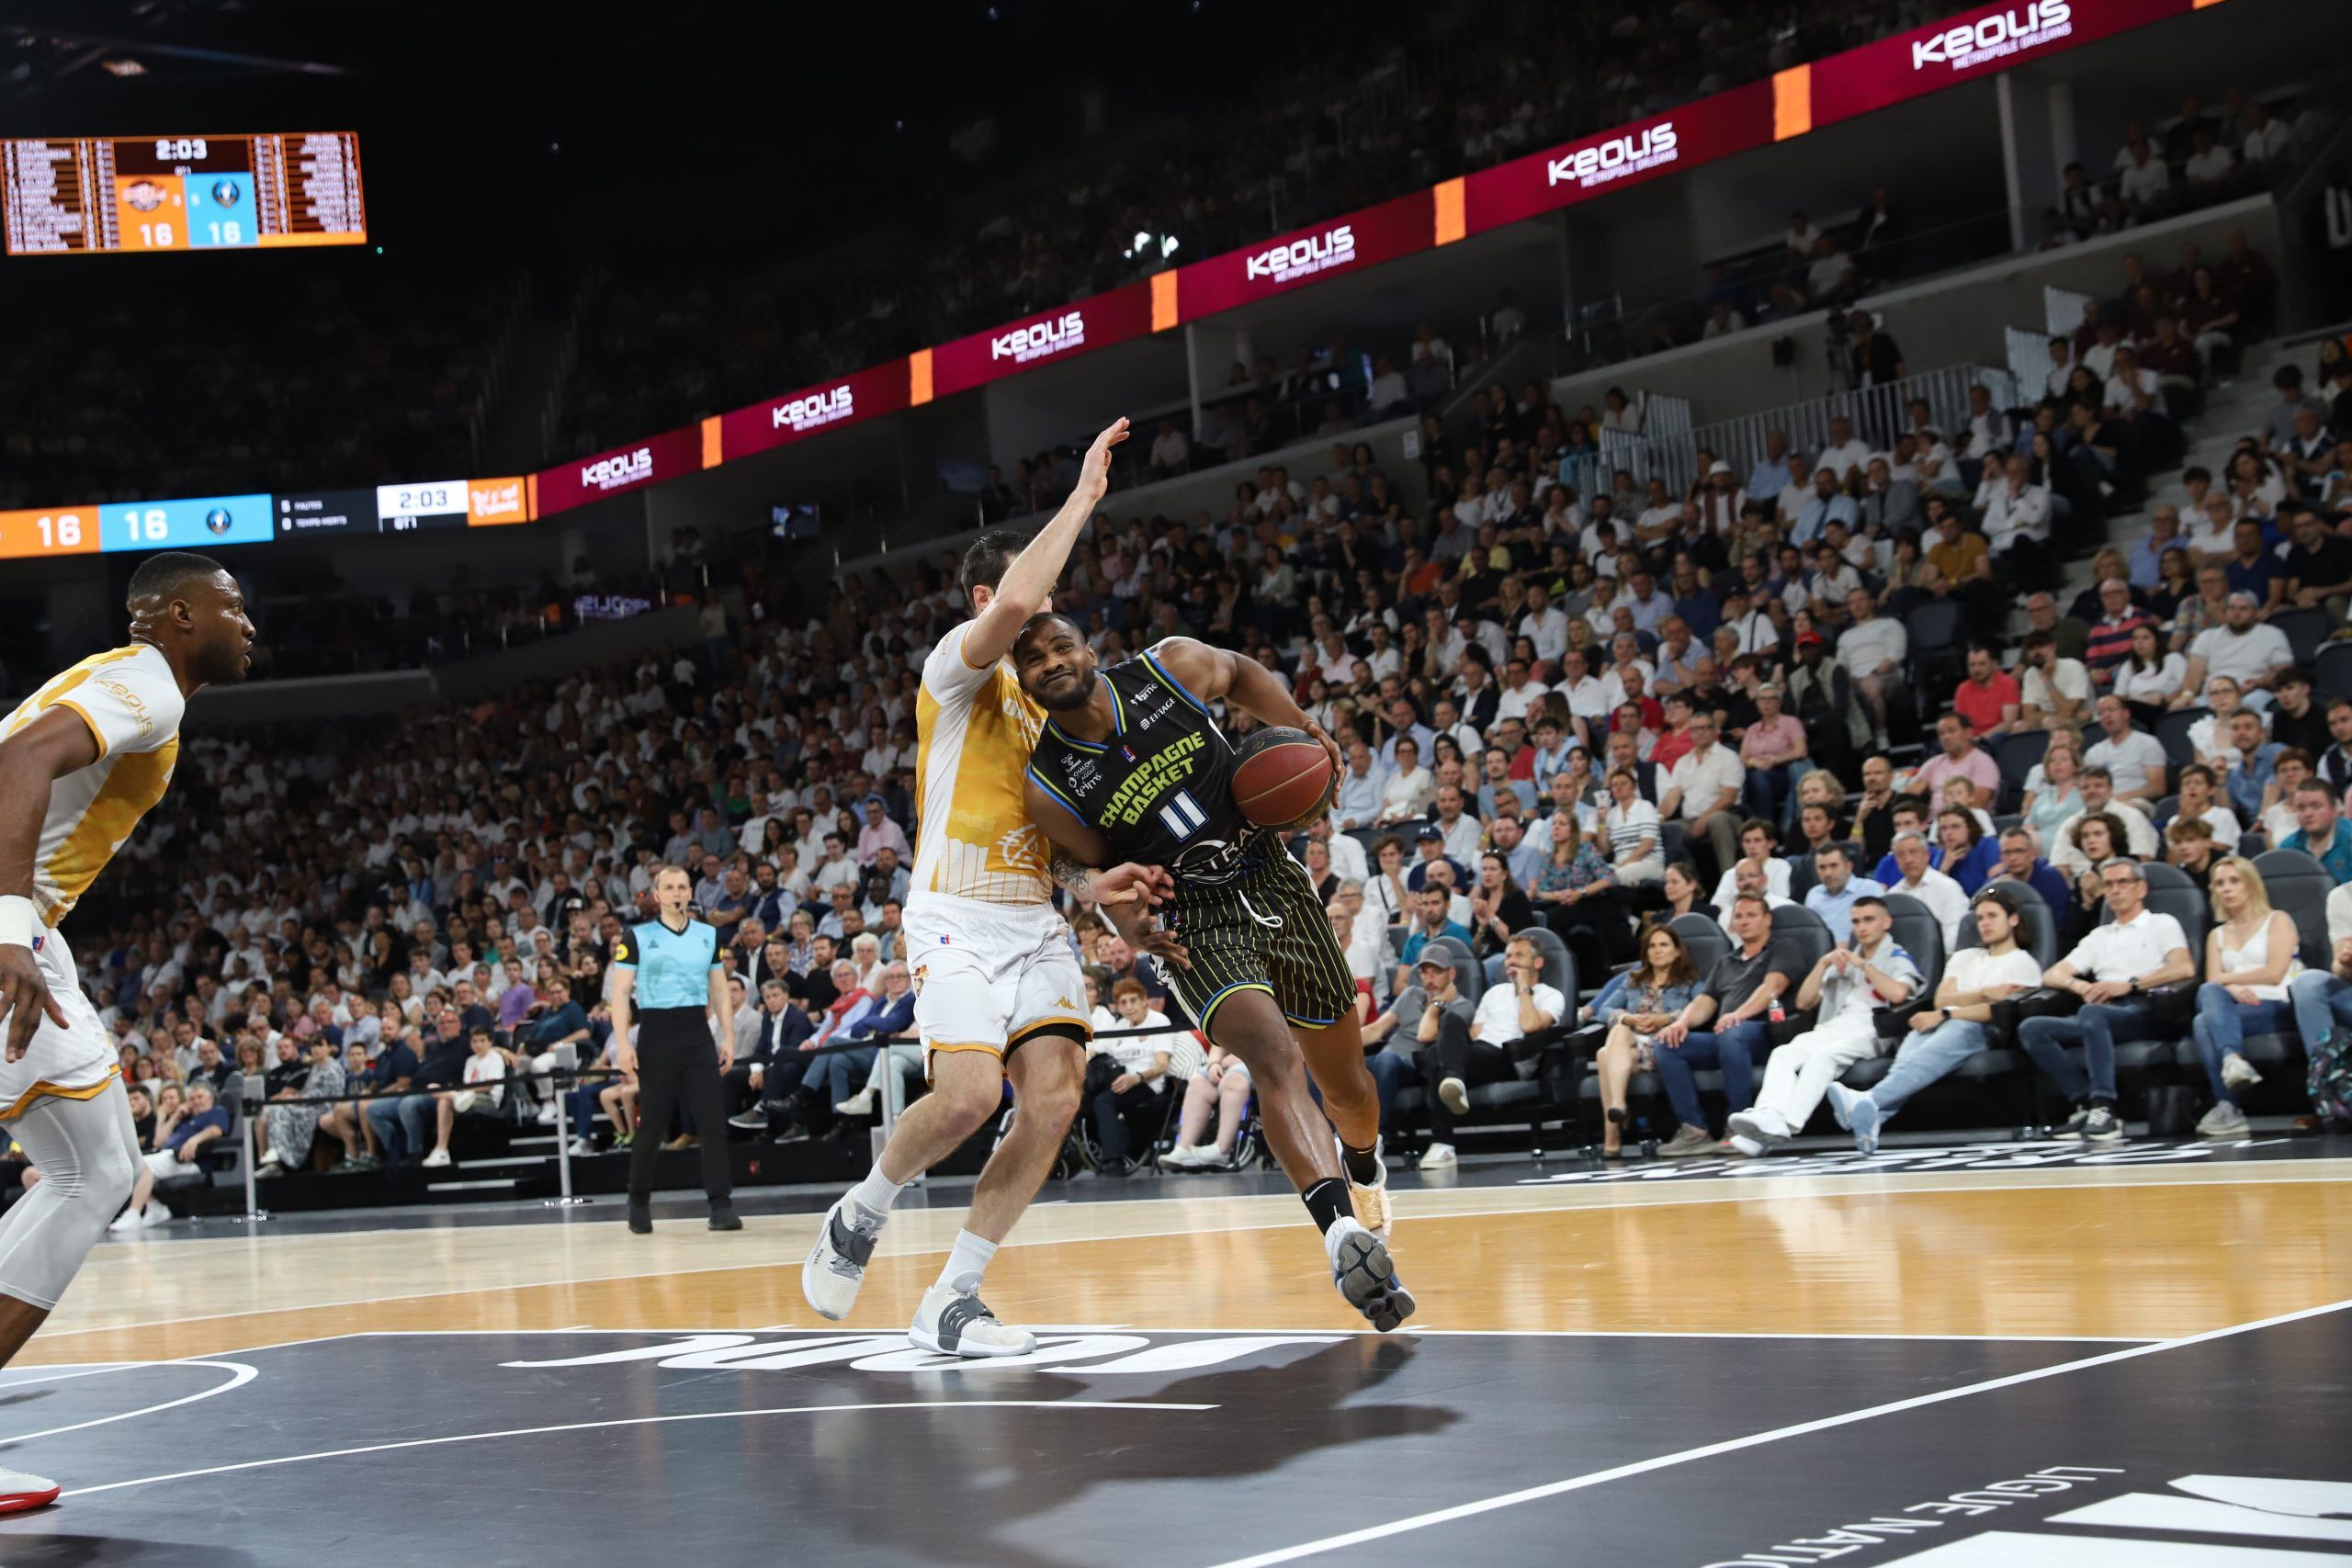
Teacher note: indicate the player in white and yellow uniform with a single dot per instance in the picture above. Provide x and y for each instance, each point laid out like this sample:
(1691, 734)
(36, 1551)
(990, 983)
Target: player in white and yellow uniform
(999, 993)
(81, 760)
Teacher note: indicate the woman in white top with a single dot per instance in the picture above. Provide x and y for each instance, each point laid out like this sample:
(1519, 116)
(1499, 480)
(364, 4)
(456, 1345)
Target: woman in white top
(2149, 676)
(1385, 897)
(2251, 954)
(2197, 804)
(1635, 840)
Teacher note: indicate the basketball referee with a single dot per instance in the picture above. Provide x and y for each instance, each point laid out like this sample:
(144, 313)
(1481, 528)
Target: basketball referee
(667, 975)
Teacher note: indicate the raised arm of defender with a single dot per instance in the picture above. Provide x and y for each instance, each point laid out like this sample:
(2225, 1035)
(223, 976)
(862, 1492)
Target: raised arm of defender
(1029, 580)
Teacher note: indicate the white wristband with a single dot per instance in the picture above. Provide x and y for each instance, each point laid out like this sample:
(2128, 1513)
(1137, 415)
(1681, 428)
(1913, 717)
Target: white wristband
(17, 921)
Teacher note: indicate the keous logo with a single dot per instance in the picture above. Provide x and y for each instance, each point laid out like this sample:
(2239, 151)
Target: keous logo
(1303, 258)
(1040, 339)
(1994, 37)
(814, 411)
(611, 473)
(1614, 158)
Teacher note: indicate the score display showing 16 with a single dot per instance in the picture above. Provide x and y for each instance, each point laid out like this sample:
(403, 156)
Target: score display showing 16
(184, 525)
(49, 531)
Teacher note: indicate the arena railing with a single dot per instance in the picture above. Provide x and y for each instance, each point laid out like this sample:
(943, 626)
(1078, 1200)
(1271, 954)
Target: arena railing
(1875, 414)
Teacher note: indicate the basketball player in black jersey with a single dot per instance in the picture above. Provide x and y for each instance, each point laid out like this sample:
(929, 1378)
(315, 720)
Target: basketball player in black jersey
(1131, 766)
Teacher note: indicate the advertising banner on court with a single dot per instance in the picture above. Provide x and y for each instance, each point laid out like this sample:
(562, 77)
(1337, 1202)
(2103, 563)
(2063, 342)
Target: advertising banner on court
(1352, 242)
(624, 469)
(1697, 132)
(1042, 339)
(829, 405)
(1979, 43)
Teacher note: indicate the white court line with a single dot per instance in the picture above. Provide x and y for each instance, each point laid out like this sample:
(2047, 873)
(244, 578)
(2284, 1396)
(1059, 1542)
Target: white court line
(1365, 1332)
(1733, 1445)
(1743, 1193)
(240, 1375)
(643, 1421)
(2318, 1169)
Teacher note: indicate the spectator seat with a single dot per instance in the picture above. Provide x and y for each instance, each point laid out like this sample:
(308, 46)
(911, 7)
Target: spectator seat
(2172, 733)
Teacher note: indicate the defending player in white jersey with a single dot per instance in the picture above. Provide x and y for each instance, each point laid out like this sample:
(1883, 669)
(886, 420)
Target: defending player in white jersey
(81, 760)
(999, 993)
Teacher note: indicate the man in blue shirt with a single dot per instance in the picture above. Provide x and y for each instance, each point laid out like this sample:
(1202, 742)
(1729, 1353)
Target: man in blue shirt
(1360, 786)
(1833, 892)
(174, 1163)
(2321, 834)
(1770, 474)
(2021, 862)
(1827, 505)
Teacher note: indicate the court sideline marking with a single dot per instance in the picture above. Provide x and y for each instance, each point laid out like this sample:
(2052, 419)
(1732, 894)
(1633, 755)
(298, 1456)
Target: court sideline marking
(1757, 1439)
(1746, 1191)
(633, 1421)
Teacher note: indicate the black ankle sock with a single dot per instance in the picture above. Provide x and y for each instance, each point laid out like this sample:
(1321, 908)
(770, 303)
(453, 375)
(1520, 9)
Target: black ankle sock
(1328, 1201)
(1361, 1165)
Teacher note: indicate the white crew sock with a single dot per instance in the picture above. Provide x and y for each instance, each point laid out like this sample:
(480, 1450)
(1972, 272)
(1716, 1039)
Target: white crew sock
(877, 1192)
(967, 1261)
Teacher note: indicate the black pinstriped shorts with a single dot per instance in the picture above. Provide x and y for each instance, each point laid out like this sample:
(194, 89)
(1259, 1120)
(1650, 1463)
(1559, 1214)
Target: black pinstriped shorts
(1263, 931)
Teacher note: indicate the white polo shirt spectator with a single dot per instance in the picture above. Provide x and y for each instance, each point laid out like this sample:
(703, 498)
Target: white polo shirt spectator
(2122, 949)
(1496, 1020)
(1943, 899)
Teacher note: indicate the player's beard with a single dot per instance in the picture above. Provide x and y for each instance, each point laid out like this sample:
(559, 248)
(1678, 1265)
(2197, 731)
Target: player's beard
(1059, 698)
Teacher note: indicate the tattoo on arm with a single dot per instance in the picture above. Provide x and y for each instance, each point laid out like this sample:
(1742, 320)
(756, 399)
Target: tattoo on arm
(1069, 871)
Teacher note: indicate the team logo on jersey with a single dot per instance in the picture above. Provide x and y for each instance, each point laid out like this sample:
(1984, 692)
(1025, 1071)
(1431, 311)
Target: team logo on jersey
(1024, 847)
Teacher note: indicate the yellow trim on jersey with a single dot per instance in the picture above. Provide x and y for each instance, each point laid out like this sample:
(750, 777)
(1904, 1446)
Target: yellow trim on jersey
(964, 649)
(95, 733)
(59, 1091)
(1025, 1031)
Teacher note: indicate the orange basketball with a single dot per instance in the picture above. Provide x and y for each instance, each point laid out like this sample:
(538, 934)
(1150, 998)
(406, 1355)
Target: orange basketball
(1281, 778)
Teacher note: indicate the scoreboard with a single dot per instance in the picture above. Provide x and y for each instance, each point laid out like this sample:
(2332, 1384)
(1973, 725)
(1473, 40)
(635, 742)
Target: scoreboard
(82, 196)
(210, 521)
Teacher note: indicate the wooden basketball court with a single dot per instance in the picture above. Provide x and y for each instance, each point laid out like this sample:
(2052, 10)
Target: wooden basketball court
(1575, 1322)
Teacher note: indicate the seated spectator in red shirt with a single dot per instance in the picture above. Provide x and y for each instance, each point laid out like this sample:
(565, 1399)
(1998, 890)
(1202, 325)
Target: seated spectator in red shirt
(1988, 699)
(1674, 744)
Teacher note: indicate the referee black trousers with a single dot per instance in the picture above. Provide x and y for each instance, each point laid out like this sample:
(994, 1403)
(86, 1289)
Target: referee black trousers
(678, 1065)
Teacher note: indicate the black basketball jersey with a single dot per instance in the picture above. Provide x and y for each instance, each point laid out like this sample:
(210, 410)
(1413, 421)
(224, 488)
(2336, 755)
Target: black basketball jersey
(1160, 789)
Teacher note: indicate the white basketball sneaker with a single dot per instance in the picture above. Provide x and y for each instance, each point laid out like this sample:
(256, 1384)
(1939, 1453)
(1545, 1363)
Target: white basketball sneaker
(836, 1265)
(957, 1322)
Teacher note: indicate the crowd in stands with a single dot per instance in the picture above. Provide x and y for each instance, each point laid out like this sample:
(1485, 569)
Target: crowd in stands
(2204, 154)
(1562, 713)
(349, 378)
(1326, 122)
